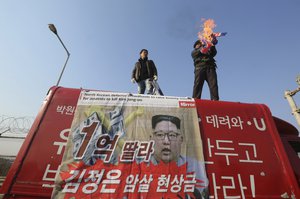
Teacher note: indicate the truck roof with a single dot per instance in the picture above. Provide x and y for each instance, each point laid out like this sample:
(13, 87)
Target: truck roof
(243, 149)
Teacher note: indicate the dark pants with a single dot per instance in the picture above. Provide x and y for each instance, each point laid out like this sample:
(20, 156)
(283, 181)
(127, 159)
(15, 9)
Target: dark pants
(208, 74)
(145, 84)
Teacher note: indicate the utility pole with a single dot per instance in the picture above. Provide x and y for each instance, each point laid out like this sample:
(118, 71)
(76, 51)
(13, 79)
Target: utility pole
(289, 96)
(53, 29)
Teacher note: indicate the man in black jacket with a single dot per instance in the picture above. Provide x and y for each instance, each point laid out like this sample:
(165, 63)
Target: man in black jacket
(144, 73)
(205, 70)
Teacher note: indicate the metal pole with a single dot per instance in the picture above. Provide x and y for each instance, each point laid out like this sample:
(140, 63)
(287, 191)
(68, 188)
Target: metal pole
(295, 110)
(53, 29)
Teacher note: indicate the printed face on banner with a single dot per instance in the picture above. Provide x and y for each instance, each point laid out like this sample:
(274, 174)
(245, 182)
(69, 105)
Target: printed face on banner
(168, 140)
(139, 143)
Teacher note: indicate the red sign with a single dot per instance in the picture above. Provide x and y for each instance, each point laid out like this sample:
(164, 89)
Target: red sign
(240, 151)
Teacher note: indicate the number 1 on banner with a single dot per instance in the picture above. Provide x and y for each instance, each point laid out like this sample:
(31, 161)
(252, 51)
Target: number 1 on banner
(87, 133)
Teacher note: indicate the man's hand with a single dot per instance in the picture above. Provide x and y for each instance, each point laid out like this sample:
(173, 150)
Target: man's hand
(214, 40)
(133, 80)
(155, 77)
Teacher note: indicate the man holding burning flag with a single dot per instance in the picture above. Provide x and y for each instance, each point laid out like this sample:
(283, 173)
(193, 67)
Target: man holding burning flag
(204, 62)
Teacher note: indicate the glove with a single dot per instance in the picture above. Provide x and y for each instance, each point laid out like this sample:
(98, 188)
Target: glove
(223, 33)
(155, 77)
(214, 40)
(133, 80)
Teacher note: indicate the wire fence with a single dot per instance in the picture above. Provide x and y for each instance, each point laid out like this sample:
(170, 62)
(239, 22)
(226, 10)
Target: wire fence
(15, 126)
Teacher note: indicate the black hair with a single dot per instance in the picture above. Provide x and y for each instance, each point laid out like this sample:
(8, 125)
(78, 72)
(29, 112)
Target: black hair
(196, 42)
(143, 50)
(158, 118)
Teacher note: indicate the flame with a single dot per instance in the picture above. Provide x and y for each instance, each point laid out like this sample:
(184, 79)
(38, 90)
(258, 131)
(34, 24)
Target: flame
(208, 26)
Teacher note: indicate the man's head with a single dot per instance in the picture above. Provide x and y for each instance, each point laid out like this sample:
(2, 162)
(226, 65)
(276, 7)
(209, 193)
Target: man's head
(144, 53)
(197, 44)
(167, 137)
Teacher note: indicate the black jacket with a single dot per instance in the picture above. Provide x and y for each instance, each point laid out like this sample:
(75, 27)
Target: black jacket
(151, 70)
(204, 59)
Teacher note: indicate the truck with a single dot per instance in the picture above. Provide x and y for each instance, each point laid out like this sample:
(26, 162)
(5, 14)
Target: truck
(247, 152)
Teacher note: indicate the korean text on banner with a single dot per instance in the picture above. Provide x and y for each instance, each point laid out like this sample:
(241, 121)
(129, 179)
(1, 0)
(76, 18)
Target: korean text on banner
(133, 146)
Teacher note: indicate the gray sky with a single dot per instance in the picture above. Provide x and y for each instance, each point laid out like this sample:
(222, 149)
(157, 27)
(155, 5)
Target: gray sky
(257, 60)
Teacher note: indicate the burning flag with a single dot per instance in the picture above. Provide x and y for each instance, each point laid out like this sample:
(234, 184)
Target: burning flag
(207, 37)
